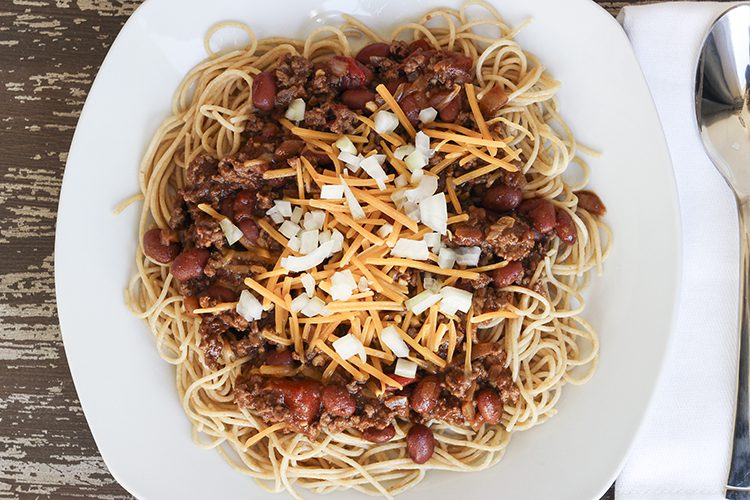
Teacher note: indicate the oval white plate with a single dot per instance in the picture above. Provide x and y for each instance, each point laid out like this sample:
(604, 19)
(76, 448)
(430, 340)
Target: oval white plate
(128, 392)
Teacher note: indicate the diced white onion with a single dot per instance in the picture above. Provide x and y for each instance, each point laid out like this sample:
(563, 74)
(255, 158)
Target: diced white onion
(275, 215)
(455, 299)
(309, 283)
(402, 152)
(385, 230)
(340, 292)
(405, 368)
(385, 122)
(434, 213)
(412, 211)
(294, 243)
(401, 181)
(289, 229)
(232, 232)
(299, 302)
(284, 207)
(362, 285)
(296, 110)
(398, 198)
(351, 160)
(331, 192)
(415, 160)
(314, 220)
(422, 143)
(427, 186)
(354, 207)
(428, 115)
(309, 241)
(416, 176)
(434, 241)
(346, 144)
(422, 301)
(315, 258)
(337, 240)
(446, 258)
(394, 342)
(411, 249)
(344, 278)
(348, 346)
(467, 256)
(431, 283)
(314, 307)
(296, 215)
(324, 236)
(249, 307)
(373, 166)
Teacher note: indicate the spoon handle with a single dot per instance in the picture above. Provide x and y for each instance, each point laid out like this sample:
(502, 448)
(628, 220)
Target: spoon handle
(738, 482)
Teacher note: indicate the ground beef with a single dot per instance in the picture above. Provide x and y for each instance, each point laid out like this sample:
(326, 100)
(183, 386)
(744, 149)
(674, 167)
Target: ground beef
(510, 238)
(292, 71)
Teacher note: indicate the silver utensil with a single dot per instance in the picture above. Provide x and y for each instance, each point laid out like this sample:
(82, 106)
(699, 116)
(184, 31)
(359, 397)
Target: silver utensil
(723, 114)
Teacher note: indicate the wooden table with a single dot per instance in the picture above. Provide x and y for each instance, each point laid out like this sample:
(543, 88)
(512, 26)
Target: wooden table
(50, 51)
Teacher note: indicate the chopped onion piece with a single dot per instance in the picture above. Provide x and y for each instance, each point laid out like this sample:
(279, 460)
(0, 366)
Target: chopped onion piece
(351, 160)
(385, 122)
(455, 298)
(373, 166)
(296, 110)
(362, 285)
(289, 229)
(413, 213)
(354, 207)
(345, 144)
(415, 160)
(348, 346)
(385, 230)
(337, 240)
(401, 181)
(294, 243)
(275, 215)
(405, 368)
(446, 258)
(344, 278)
(467, 256)
(309, 241)
(427, 186)
(411, 249)
(315, 258)
(434, 241)
(398, 198)
(434, 213)
(431, 283)
(422, 301)
(249, 307)
(422, 143)
(324, 236)
(402, 152)
(299, 302)
(340, 292)
(232, 232)
(296, 215)
(428, 115)
(394, 342)
(309, 283)
(416, 176)
(331, 192)
(284, 207)
(314, 307)
(314, 220)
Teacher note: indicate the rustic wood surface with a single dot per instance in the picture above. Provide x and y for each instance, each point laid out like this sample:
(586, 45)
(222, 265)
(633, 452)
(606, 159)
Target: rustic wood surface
(50, 51)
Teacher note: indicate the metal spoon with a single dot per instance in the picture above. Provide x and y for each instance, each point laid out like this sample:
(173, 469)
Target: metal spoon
(721, 108)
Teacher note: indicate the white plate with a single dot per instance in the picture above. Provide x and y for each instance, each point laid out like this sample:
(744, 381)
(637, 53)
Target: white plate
(128, 392)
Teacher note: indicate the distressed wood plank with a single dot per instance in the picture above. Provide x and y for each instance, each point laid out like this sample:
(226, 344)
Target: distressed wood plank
(50, 51)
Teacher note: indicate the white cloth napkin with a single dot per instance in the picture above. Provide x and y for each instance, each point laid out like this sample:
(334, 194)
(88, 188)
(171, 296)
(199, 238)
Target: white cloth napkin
(683, 448)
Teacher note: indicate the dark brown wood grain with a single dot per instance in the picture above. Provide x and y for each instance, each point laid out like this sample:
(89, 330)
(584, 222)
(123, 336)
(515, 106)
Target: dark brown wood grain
(50, 51)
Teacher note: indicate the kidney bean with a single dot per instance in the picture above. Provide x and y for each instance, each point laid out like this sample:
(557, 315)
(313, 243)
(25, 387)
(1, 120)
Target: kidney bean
(392, 85)
(226, 207)
(404, 381)
(154, 246)
(289, 148)
(492, 101)
(507, 275)
(249, 229)
(357, 98)
(301, 396)
(424, 397)
(269, 131)
(264, 91)
(189, 264)
(565, 228)
(420, 44)
(281, 357)
(420, 443)
(243, 205)
(337, 401)
(220, 293)
(590, 201)
(375, 435)
(541, 212)
(502, 198)
(490, 406)
(353, 74)
(373, 50)
(410, 108)
(468, 235)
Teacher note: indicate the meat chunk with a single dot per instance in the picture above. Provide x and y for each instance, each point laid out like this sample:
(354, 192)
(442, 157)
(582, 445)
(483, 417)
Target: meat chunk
(510, 238)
